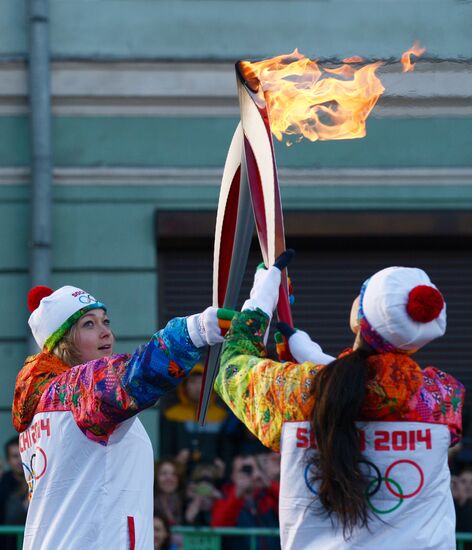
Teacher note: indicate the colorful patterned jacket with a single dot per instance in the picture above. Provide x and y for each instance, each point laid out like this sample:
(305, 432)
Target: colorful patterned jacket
(87, 459)
(409, 418)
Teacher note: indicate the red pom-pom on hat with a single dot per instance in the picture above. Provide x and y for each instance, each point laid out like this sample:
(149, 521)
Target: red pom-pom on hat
(424, 303)
(36, 294)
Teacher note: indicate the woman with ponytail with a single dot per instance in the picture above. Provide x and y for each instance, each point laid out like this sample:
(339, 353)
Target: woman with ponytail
(363, 437)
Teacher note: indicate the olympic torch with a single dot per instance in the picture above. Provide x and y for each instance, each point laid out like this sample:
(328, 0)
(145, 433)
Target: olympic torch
(306, 101)
(249, 178)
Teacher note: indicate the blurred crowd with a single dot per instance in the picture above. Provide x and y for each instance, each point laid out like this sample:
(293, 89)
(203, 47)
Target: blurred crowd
(460, 464)
(217, 475)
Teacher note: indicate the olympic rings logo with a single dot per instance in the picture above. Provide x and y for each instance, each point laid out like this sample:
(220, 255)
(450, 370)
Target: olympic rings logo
(308, 483)
(394, 488)
(375, 485)
(370, 491)
(86, 299)
(34, 475)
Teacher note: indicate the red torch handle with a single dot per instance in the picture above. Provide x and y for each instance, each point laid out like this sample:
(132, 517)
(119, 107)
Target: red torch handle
(284, 311)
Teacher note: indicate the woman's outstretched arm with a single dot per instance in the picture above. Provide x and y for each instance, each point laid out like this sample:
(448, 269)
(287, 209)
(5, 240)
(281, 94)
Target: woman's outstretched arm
(102, 393)
(262, 393)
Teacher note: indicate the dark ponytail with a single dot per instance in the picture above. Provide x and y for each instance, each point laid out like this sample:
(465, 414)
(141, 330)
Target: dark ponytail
(339, 391)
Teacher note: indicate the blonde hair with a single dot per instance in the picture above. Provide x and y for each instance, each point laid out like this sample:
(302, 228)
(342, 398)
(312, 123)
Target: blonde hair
(66, 349)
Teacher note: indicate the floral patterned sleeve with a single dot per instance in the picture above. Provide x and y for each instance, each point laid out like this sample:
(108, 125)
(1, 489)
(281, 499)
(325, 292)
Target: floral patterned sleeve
(102, 393)
(399, 390)
(262, 393)
(440, 400)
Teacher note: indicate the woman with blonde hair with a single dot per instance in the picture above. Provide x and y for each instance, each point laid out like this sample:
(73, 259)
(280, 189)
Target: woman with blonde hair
(87, 458)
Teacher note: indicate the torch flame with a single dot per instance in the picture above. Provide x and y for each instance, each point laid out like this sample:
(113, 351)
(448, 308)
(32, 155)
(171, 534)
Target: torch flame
(416, 50)
(314, 102)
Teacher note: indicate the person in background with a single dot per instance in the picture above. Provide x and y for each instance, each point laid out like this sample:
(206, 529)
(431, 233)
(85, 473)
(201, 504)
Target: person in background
(461, 486)
(202, 492)
(364, 438)
(269, 463)
(13, 492)
(237, 440)
(181, 435)
(169, 491)
(162, 534)
(460, 456)
(75, 407)
(250, 500)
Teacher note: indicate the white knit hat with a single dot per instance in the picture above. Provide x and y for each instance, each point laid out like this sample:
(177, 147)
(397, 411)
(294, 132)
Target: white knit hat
(54, 312)
(401, 310)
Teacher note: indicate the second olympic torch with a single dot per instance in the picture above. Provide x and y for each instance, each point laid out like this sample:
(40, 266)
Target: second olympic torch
(249, 193)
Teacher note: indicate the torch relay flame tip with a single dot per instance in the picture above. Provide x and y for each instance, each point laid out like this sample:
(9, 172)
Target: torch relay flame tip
(307, 99)
(406, 59)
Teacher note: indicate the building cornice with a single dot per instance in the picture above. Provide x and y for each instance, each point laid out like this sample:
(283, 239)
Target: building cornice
(115, 176)
(105, 88)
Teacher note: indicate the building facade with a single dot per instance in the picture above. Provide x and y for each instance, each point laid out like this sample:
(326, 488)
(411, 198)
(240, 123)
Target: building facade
(144, 106)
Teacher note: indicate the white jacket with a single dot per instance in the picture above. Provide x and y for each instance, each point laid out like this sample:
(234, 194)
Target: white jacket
(87, 496)
(413, 504)
(87, 459)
